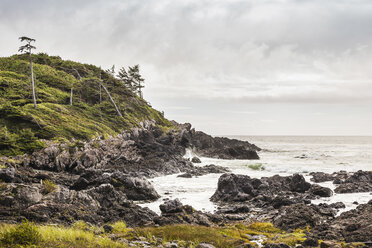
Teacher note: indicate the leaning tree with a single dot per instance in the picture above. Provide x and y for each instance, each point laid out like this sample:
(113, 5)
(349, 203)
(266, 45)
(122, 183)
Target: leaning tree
(28, 49)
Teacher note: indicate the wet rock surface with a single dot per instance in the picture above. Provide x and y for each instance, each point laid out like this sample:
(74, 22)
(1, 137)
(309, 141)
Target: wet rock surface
(204, 170)
(97, 181)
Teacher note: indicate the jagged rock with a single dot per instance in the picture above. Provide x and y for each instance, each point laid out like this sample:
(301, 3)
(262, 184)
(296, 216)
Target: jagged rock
(224, 148)
(135, 188)
(320, 177)
(310, 242)
(207, 169)
(7, 175)
(298, 184)
(233, 187)
(320, 191)
(196, 160)
(298, 216)
(171, 206)
(360, 181)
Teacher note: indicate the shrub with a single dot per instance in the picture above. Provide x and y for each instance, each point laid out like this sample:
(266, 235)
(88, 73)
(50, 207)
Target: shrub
(22, 234)
(48, 186)
(119, 227)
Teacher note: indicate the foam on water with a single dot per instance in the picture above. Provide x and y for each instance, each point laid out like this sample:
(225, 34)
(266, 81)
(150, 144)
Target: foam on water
(280, 155)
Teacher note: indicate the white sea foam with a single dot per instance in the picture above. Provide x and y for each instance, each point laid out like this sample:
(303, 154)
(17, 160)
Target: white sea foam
(280, 155)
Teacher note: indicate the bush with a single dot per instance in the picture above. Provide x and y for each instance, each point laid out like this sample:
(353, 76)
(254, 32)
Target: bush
(48, 186)
(119, 227)
(22, 234)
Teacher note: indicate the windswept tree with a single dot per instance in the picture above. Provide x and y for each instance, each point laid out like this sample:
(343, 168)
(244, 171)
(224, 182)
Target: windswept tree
(111, 71)
(124, 77)
(137, 80)
(28, 49)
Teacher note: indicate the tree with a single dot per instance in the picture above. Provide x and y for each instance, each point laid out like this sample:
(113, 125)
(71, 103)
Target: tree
(137, 79)
(28, 49)
(72, 87)
(124, 77)
(111, 71)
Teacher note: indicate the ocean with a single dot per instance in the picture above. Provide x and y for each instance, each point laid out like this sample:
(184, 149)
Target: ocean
(282, 155)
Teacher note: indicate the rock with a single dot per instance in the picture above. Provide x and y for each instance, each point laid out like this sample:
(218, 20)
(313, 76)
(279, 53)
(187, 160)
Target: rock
(337, 205)
(330, 244)
(234, 209)
(360, 181)
(207, 169)
(224, 148)
(311, 242)
(320, 177)
(107, 228)
(320, 191)
(135, 188)
(196, 160)
(205, 245)
(233, 187)
(7, 175)
(171, 206)
(298, 216)
(276, 245)
(298, 184)
(353, 226)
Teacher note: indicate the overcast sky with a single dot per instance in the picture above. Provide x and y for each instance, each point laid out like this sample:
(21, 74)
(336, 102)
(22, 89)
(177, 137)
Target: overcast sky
(253, 67)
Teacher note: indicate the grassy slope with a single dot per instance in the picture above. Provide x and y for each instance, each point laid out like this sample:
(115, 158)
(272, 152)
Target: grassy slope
(22, 128)
(84, 235)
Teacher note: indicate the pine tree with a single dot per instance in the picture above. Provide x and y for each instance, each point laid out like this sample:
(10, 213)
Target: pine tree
(137, 79)
(28, 49)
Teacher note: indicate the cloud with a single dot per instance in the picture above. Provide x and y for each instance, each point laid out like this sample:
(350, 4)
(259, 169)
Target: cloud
(224, 51)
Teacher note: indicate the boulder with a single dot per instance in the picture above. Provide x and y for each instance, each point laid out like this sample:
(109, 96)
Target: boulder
(320, 191)
(196, 160)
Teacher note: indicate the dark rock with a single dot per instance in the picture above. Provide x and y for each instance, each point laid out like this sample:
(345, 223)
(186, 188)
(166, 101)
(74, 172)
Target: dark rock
(276, 245)
(224, 148)
(337, 205)
(233, 187)
(320, 177)
(207, 169)
(360, 181)
(196, 160)
(107, 228)
(298, 216)
(171, 206)
(7, 175)
(298, 184)
(311, 242)
(320, 191)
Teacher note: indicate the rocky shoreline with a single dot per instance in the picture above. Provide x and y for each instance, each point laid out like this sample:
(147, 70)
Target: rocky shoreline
(98, 181)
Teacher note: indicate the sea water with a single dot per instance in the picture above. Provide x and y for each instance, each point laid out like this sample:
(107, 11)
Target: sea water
(282, 155)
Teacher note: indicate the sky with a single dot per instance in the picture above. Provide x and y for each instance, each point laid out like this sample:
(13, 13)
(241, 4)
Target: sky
(229, 67)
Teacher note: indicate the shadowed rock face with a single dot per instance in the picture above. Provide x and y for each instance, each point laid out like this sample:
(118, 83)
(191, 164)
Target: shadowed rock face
(223, 148)
(96, 181)
(275, 190)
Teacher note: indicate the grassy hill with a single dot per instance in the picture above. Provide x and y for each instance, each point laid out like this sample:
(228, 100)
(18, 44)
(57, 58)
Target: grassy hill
(23, 129)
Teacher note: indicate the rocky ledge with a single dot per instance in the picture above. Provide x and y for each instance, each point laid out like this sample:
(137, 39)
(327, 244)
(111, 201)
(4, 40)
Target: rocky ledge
(286, 202)
(98, 181)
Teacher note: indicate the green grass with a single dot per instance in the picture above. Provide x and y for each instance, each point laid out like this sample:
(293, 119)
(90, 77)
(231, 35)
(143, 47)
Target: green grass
(24, 129)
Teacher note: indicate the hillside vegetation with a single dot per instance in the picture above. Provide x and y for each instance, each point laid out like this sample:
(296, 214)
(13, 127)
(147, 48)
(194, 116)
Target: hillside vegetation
(24, 129)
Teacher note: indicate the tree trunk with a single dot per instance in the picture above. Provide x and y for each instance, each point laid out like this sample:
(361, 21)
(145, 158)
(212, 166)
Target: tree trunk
(112, 100)
(72, 88)
(33, 83)
(71, 96)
